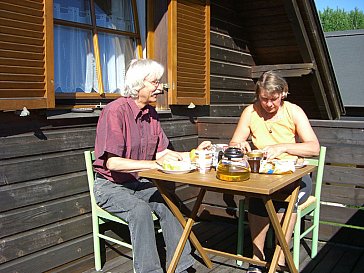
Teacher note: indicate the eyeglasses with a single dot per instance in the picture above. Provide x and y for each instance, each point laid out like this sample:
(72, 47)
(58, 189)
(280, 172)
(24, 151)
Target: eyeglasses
(155, 82)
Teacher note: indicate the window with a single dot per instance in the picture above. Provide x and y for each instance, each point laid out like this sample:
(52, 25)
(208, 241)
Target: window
(94, 40)
(73, 53)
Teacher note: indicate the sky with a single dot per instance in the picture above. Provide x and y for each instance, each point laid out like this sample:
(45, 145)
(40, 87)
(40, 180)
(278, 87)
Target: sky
(347, 5)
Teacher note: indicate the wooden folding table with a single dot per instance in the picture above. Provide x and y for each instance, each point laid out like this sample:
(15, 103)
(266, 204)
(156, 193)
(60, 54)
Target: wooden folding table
(265, 186)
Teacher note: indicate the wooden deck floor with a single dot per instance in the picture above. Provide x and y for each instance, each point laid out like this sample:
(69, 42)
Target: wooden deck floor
(332, 258)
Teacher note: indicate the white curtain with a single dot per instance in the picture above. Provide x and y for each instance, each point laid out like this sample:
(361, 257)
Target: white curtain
(74, 56)
(74, 61)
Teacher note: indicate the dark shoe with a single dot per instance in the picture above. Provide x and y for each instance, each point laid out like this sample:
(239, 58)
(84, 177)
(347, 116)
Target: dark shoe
(189, 270)
(255, 269)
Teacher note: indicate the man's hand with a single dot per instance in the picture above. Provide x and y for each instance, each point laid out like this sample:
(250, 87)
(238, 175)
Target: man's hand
(169, 155)
(205, 145)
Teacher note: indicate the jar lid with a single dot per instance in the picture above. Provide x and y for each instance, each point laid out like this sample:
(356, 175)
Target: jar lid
(255, 153)
(233, 152)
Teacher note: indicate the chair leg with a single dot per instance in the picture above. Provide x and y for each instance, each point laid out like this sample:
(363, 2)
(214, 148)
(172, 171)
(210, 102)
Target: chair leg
(241, 222)
(315, 232)
(297, 240)
(97, 245)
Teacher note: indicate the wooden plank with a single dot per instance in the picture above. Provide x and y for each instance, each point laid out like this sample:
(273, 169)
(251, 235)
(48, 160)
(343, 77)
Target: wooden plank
(228, 69)
(225, 40)
(340, 135)
(332, 258)
(360, 265)
(226, 110)
(216, 130)
(222, 200)
(51, 257)
(342, 215)
(179, 128)
(21, 70)
(348, 260)
(228, 55)
(21, 17)
(35, 168)
(342, 235)
(186, 192)
(344, 176)
(231, 83)
(20, 47)
(286, 70)
(50, 188)
(48, 142)
(223, 11)
(216, 140)
(227, 96)
(344, 154)
(358, 124)
(347, 195)
(208, 212)
(12, 90)
(25, 243)
(35, 11)
(218, 120)
(24, 219)
(184, 143)
(35, 88)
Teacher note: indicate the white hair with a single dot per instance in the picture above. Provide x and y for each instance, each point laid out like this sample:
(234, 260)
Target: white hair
(138, 71)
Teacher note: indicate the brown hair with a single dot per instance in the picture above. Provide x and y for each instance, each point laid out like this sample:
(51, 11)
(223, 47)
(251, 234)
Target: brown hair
(272, 83)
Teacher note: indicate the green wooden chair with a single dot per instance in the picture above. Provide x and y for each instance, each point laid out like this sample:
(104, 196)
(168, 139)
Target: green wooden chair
(310, 207)
(99, 215)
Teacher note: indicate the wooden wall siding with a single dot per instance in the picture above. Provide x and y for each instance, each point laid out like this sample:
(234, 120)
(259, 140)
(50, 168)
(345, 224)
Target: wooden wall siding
(343, 185)
(251, 34)
(45, 219)
(270, 32)
(231, 61)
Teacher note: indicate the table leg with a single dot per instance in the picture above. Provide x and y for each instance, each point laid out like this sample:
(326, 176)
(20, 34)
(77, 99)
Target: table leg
(187, 232)
(280, 231)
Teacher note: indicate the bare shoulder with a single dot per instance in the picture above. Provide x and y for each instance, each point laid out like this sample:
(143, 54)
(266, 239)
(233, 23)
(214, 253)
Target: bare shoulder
(247, 112)
(249, 109)
(297, 112)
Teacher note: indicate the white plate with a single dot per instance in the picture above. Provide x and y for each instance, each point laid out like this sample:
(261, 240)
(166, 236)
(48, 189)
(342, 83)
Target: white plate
(177, 171)
(303, 164)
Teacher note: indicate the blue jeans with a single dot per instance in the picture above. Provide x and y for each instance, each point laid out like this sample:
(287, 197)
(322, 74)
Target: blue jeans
(135, 201)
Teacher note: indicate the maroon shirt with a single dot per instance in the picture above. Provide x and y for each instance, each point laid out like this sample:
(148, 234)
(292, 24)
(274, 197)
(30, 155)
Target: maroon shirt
(129, 132)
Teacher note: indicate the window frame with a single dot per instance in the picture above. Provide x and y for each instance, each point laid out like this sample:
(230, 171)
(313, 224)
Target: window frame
(81, 99)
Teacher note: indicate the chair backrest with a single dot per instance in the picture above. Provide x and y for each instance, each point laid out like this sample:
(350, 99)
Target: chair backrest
(89, 158)
(320, 163)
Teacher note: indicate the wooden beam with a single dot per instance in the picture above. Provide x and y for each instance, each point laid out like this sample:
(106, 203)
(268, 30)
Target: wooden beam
(285, 70)
(307, 53)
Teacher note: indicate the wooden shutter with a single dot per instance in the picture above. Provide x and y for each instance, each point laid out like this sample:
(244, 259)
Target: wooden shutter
(189, 52)
(26, 54)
